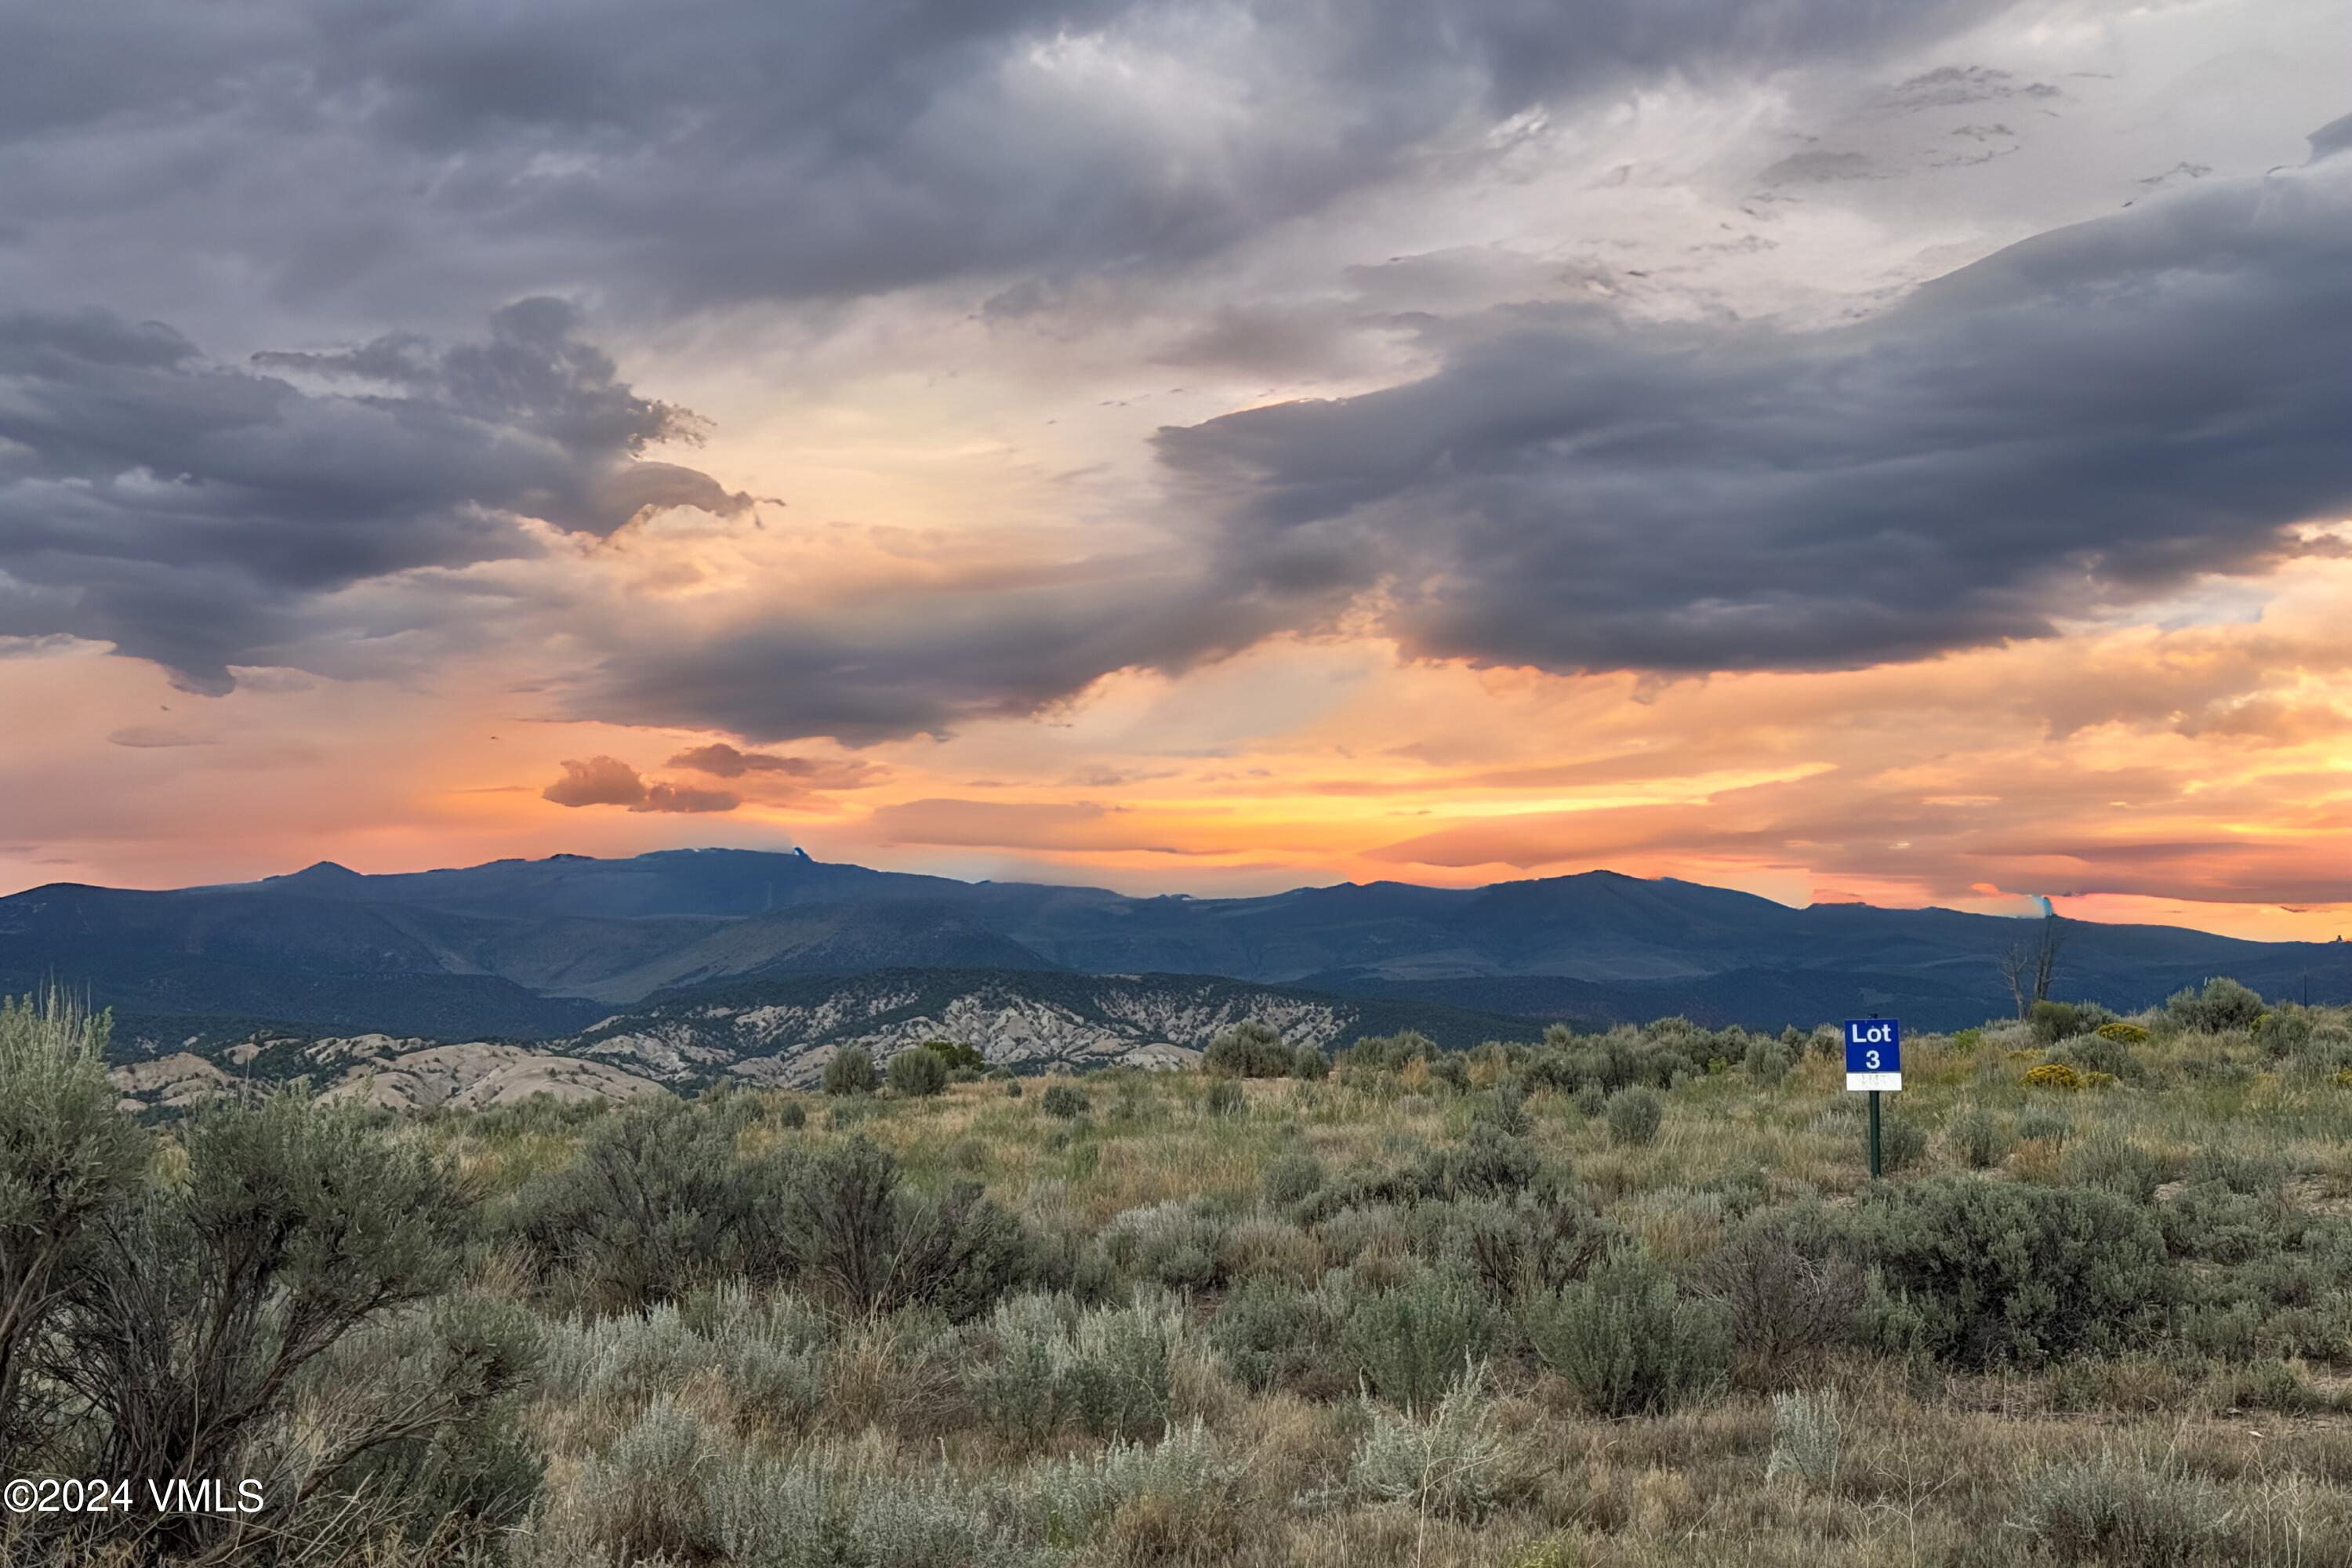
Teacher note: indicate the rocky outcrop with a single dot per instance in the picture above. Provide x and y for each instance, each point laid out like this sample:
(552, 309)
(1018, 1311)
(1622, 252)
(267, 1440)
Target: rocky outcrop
(473, 1077)
(782, 1032)
(380, 1070)
(174, 1081)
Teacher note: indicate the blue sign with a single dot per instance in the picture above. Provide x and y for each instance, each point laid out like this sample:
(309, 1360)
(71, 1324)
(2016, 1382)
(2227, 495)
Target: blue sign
(1874, 1053)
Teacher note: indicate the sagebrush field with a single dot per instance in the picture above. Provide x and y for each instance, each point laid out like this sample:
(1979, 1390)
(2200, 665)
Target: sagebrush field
(1628, 1298)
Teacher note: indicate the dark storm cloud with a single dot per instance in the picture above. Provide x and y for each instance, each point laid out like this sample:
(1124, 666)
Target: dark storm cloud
(193, 512)
(2085, 420)
(714, 150)
(2078, 423)
(922, 662)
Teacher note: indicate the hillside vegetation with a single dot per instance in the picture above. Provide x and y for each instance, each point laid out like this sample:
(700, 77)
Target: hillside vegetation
(1625, 1298)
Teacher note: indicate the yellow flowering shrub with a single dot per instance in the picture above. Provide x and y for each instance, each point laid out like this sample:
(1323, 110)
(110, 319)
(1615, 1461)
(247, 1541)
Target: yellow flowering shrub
(2052, 1075)
(2122, 1033)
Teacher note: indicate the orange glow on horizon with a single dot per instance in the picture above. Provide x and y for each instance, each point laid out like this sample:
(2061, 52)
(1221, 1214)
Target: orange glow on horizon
(2192, 776)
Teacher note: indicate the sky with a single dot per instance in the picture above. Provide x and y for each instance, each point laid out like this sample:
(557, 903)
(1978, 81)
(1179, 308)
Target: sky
(1834, 448)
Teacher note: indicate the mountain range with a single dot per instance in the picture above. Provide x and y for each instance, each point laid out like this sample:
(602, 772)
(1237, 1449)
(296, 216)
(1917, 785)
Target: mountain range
(525, 950)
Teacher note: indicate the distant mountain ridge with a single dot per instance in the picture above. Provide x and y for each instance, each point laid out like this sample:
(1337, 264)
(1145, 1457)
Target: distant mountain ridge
(537, 948)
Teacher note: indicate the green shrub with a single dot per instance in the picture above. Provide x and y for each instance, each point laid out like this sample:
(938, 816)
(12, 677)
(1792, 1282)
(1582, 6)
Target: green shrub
(771, 1357)
(1626, 1057)
(2285, 1032)
(1979, 1274)
(793, 1117)
(2223, 1006)
(1534, 1239)
(2210, 1220)
(957, 1055)
(1224, 1099)
(2112, 1160)
(1408, 1344)
(851, 1071)
(69, 1163)
(798, 1513)
(2095, 1053)
(1633, 1116)
(1310, 1064)
(1292, 1177)
(1181, 1483)
(1768, 1061)
(295, 1226)
(656, 1202)
(1013, 1388)
(1981, 1138)
(849, 1230)
(1627, 1341)
(1488, 1163)
(1109, 1371)
(1388, 1053)
(1901, 1144)
(1789, 1283)
(671, 1491)
(1064, 1101)
(1808, 1437)
(2055, 1021)
(2044, 1123)
(1249, 1049)
(1504, 1110)
(463, 1480)
(1271, 1333)
(1178, 1242)
(1590, 1100)
(2124, 1512)
(1444, 1467)
(2237, 1170)
(919, 1073)
(644, 1495)
(1116, 1375)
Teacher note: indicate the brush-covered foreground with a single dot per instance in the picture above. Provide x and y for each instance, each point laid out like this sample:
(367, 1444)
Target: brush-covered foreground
(1626, 1299)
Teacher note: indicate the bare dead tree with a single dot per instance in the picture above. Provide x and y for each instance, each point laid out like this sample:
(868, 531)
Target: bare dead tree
(2029, 967)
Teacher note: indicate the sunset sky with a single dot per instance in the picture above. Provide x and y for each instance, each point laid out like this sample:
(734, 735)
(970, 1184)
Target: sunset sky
(1834, 448)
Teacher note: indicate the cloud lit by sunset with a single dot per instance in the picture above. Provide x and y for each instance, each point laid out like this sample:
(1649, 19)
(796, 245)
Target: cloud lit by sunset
(1892, 454)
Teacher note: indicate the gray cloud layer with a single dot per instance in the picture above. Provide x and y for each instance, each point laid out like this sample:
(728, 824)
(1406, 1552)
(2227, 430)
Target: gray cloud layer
(2081, 422)
(921, 661)
(191, 512)
(716, 151)
(2085, 420)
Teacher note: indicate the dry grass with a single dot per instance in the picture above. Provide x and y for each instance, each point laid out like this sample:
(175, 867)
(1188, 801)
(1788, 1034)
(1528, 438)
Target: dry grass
(1938, 1468)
